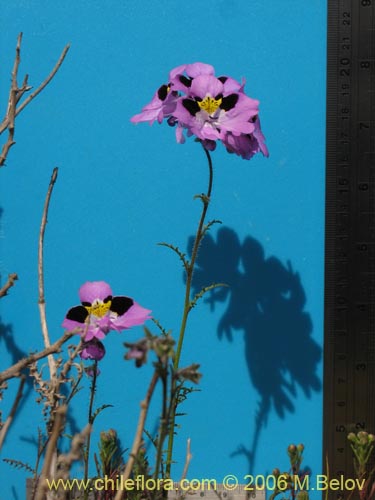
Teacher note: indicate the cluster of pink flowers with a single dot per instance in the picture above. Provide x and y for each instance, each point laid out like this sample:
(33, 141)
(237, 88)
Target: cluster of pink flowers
(208, 107)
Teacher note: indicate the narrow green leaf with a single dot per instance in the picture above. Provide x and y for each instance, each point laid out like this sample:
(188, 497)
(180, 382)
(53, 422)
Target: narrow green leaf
(99, 410)
(204, 290)
(180, 254)
(19, 465)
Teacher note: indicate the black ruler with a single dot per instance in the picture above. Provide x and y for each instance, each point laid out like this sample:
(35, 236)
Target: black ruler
(349, 323)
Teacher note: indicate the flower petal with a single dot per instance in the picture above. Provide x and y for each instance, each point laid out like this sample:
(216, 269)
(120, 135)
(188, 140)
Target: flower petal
(92, 290)
(75, 318)
(136, 315)
(203, 85)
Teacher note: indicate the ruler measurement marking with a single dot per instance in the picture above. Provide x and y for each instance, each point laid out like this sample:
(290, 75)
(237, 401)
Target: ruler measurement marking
(349, 378)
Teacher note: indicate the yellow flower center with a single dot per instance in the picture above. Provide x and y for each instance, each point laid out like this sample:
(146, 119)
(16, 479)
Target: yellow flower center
(99, 308)
(209, 104)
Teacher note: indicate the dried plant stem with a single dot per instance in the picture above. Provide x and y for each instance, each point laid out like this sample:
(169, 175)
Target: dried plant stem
(188, 458)
(15, 370)
(11, 279)
(45, 82)
(42, 302)
(189, 277)
(12, 412)
(138, 436)
(12, 103)
(16, 93)
(50, 452)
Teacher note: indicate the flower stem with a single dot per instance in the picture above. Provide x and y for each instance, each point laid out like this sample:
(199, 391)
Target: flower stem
(189, 277)
(90, 421)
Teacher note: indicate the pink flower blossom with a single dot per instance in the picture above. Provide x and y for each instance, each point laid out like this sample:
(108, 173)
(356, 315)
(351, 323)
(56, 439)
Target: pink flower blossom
(101, 312)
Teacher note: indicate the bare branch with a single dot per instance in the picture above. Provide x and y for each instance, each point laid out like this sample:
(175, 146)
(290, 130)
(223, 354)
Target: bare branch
(12, 102)
(138, 436)
(189, 456)
(13, 410)
(51, 452)
(15, 370)
(11, 279)
(46, 81)
(42, 302)
(15, 95)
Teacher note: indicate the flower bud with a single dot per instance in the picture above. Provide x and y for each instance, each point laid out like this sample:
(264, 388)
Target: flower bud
(352, 437)
(190, 373)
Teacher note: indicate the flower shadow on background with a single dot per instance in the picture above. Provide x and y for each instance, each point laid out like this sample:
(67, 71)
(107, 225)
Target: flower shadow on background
(265, 300)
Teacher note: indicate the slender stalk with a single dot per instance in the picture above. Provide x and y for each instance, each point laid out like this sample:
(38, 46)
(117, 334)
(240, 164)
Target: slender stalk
(190, 270)
(47, 471)
(13, 410)
(42, 301)
(163, 425)
(189, 277)
(90, 422)
(138, 435)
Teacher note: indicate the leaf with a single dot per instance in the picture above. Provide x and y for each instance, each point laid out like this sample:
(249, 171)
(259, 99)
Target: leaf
(161, 328)
(181, 255)
(99, 410)
(203, 197)
(209, 224)
(204, 290)
(153, 440)
(19, 465)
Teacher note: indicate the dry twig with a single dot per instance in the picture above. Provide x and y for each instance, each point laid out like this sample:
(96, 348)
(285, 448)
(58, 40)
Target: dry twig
(58, 467)
(188, 458)
(42, 302)
(138, 436)
(16, 369)
(12, 412)
(51, 452)
(11, 279)
(16, 93)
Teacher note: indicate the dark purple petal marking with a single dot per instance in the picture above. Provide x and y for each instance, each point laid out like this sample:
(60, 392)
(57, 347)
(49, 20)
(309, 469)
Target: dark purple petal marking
(163, 92)
(172, 120)
(121, 304)
(185, 80)
(77, 313)
(107, 299)
(229, 102)
(223, 79)
(191, 106)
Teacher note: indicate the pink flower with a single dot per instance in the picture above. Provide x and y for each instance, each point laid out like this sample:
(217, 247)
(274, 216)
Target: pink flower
(100, 312)
(208, 107)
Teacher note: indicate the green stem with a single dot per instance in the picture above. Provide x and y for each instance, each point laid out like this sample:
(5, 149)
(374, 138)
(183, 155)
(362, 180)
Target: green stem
(189, 277)
(163, 427)
(90, 421)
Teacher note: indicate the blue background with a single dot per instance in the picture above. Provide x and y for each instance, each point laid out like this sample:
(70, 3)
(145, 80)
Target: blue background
(123, 188)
